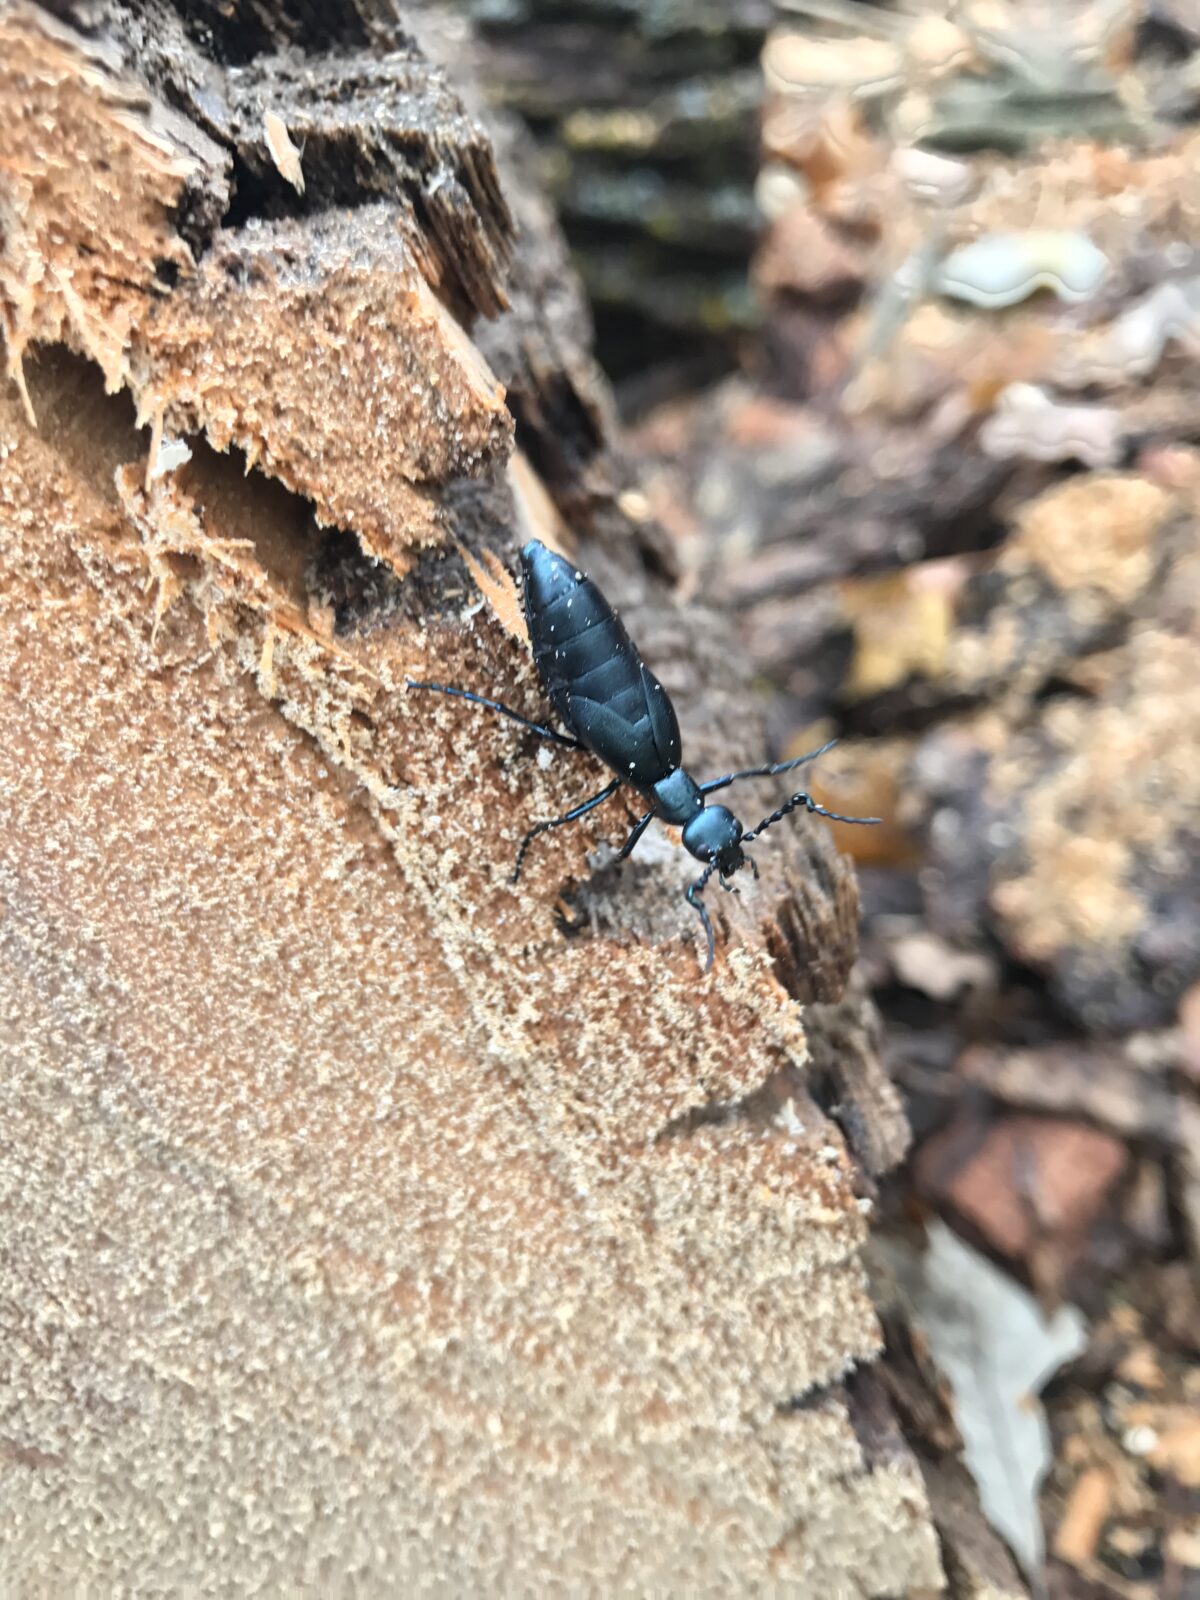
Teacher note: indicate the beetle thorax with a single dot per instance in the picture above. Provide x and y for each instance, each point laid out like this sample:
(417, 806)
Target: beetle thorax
(677, 798)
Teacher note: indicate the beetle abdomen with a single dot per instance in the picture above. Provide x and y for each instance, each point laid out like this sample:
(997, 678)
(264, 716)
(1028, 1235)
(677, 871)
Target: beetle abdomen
(592, 672)
(579, 643)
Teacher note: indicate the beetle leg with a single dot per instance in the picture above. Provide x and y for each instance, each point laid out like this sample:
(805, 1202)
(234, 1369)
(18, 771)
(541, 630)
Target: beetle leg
(695, 890)
(505, 711)
(639, 829)
(573, 815)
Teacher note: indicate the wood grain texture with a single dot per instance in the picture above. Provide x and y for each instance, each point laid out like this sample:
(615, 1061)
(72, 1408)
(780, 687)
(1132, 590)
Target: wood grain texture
(369, 1226)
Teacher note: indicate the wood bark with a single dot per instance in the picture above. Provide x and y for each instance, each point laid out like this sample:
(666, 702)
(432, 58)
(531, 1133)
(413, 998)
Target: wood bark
(371, 1224)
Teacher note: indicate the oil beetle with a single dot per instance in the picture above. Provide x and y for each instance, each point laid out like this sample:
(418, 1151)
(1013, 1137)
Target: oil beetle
(616, 708)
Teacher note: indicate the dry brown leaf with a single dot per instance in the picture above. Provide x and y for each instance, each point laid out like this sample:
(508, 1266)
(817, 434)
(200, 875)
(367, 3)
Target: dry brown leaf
(901, 630)
(1177, 1450)
(861, 780)
(1083, 1520)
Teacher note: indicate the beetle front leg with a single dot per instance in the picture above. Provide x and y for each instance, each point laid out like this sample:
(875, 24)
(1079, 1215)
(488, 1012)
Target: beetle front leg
(694, 893)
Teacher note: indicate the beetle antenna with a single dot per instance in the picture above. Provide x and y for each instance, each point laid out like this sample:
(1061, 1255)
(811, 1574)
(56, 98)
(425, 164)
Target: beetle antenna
(809, 804)
(695, 890)
(771, 771)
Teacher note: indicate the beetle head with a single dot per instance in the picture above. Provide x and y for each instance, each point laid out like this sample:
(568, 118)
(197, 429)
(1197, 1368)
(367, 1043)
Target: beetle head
(714, 835)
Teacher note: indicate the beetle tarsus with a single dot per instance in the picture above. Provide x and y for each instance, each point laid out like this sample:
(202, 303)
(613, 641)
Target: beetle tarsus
(636, 833)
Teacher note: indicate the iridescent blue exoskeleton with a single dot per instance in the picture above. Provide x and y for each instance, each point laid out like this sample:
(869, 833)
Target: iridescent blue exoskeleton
(616, 708)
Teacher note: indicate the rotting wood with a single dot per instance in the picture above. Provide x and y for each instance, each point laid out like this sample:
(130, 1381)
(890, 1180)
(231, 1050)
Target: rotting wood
(363, 1227)
(645, 118)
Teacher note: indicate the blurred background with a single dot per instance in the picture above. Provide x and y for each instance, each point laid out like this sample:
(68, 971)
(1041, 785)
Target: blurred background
(902, 307)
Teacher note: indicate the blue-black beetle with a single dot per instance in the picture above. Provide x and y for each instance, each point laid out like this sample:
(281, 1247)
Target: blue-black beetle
(616, 708)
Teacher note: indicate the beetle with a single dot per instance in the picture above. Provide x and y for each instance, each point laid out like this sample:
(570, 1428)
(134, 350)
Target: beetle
(617, 709)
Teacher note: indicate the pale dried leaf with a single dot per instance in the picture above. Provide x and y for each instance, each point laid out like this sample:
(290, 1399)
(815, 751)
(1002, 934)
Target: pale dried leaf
(1029, 425)
(995, 1347)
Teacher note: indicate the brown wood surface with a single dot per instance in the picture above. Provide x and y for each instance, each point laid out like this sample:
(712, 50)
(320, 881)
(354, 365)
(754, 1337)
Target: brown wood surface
(370, 1225)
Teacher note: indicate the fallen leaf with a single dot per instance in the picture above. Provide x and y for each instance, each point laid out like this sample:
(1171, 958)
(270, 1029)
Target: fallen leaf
(924, 961)
(1028, 1181)
(901, 630)
(1176, 1450)
(996, 1350)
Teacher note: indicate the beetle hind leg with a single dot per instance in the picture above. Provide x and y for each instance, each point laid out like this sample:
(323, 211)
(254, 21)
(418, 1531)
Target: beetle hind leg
(494, 705)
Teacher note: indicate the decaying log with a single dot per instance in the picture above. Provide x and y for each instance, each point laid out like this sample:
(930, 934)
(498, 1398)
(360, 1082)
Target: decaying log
(371, 1225)
(645, 117)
